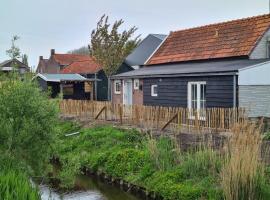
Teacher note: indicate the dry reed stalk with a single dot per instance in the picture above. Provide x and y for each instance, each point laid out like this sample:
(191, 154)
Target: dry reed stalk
(242, 173)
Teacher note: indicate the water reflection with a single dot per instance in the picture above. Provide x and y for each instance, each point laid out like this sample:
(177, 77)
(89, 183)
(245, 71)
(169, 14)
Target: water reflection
(88, 189)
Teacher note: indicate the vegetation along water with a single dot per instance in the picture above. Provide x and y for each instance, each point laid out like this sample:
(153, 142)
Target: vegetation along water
(32, 135)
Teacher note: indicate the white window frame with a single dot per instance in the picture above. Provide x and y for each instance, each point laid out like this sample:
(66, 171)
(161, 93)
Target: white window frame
(136, 84)
(115, 83)
(153, 94)
(198, 84)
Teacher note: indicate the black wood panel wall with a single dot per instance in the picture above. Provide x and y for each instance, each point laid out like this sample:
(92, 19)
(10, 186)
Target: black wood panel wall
(174, 91)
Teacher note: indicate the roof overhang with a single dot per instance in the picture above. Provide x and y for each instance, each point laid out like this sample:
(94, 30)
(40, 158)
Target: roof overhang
(205, 68)
(176, 75)
(64, 78)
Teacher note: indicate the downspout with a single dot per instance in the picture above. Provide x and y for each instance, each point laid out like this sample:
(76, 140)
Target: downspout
(95, 86)
(234, 91)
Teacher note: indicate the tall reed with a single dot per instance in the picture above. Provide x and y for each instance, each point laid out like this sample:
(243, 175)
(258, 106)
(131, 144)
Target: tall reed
(242, 176)
(16, 186)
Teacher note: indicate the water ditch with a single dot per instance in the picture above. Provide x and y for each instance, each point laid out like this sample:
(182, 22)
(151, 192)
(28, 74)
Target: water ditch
(87, 188)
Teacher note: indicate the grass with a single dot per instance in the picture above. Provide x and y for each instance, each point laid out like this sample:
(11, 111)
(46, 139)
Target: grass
(243, 175)
(154, 164)
(160, 166)
(14, 184)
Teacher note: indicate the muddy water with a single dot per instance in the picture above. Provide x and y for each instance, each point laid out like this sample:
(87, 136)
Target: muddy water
(88, 189)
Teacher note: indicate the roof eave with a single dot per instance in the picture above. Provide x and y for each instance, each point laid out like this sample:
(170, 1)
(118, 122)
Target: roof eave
(177, 75)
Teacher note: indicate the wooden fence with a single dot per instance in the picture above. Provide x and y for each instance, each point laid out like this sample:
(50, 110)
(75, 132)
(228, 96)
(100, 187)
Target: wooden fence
(156, 117)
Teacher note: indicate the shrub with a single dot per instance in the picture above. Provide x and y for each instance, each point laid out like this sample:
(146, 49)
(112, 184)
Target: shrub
(27, 121)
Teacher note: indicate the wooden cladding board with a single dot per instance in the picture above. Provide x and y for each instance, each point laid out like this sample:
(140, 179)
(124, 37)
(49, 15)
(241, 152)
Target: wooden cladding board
(174, 91)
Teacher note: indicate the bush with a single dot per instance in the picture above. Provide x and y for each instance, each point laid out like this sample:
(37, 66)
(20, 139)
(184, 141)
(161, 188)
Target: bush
(27, 121)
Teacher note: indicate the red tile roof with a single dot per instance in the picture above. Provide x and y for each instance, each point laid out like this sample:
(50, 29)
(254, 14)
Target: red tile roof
(89, 66)
(229, 39)
(66, 59)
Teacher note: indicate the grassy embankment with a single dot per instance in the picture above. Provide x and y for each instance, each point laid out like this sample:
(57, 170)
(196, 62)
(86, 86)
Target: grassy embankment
(160, 167)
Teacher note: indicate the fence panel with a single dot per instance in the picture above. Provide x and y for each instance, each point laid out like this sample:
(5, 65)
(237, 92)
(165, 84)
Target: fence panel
(156, 117)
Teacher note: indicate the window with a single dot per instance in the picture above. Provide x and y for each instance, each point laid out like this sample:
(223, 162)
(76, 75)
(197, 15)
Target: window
(68, 89)
(197, 98)
(154, 91)
(136, 84)
(117, 87)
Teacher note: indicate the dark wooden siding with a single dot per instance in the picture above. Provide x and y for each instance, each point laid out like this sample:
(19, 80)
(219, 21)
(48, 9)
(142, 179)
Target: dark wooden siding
(102, 86)
(42, 83)
(174, 91)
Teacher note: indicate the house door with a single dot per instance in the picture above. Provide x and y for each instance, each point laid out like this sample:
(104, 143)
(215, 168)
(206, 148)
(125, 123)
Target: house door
(127, 92)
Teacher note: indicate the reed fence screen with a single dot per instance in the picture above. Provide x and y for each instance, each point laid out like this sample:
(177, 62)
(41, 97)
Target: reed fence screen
(175, 119)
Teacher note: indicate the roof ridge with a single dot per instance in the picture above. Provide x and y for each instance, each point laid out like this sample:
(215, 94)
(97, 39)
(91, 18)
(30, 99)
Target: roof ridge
(221, 23)
(70, 54)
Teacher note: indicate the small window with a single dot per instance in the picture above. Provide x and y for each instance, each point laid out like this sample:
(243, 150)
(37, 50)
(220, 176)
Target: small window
(68, 89)
(136, 84)
(154, 91)
(117, 87)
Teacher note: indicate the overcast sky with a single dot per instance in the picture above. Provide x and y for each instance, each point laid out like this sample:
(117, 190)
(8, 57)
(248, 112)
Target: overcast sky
(67, 24)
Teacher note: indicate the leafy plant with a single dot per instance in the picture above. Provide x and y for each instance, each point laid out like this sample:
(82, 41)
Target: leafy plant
(27, 121)
(16, 185)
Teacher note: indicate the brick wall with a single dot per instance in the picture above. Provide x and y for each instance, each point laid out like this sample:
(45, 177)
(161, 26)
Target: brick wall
(117, 98)
(137, 97)
(138, 94)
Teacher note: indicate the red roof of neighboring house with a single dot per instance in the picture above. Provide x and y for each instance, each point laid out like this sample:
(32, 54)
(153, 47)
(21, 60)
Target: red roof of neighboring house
(89, 66)
(229, 39)
(66, 59)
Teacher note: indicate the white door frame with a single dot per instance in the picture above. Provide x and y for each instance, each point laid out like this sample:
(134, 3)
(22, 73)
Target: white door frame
(125, 93)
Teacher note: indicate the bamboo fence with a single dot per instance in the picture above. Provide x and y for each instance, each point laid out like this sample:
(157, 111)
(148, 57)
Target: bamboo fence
(173, 119)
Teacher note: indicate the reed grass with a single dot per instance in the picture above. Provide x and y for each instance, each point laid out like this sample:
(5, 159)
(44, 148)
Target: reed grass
(16, 186)
(242, 176)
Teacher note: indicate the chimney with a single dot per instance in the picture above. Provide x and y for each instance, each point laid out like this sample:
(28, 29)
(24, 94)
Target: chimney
(52, 52)
(40, 57)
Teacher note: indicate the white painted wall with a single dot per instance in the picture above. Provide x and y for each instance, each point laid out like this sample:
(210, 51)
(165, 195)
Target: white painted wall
(255, 75)
(261, 51)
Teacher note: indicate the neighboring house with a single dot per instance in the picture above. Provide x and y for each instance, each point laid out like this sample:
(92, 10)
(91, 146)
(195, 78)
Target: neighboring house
(135, 61)
(90, 69)
(75, 64)
(144, 50)
(14, 65)
(206, 67)
(71, 86)
(57, 62)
